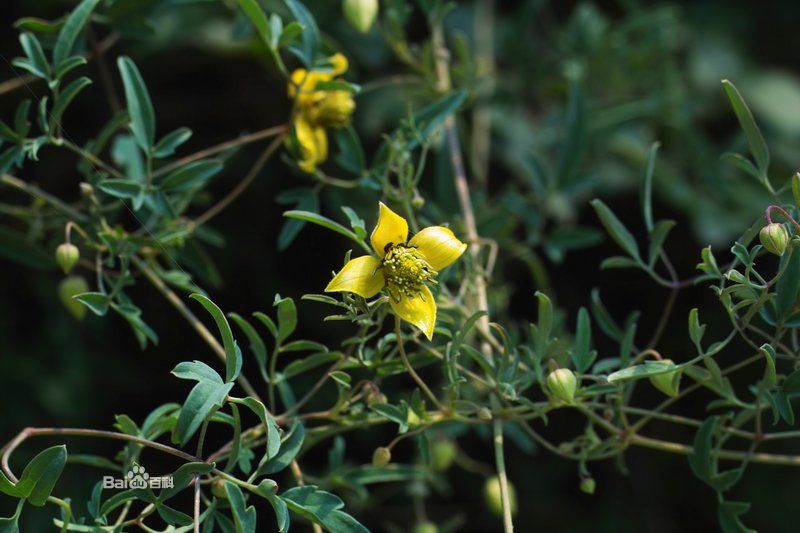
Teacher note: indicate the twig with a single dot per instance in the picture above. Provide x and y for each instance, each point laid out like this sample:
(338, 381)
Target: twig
(410, 369)
(36, 192)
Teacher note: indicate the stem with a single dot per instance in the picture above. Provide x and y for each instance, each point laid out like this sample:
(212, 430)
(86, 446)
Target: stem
(36, 192)
(190, 317)
(239, 141)
(241, 187)
(500, 464)
(411, 370)
(90, 157)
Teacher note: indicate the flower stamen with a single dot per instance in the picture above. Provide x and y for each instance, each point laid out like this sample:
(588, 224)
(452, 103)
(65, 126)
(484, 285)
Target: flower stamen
(406, 271)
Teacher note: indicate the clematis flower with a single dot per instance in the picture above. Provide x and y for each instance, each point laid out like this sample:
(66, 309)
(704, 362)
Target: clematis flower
(403, 268)
(318, 109)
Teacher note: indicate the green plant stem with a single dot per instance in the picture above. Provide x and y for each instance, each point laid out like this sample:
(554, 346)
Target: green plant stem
(90, 157)
(410, 369)
(227, 145)
(241, 186)
(190, 317)
(36, 192)
(500, 464)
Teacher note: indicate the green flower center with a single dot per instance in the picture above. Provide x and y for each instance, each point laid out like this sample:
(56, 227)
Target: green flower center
(406, 271)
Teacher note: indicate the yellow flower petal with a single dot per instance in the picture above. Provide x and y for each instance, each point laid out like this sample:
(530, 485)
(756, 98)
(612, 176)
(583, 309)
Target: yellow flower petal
(338, 64)
(361, 276)
(390, 229)
(419, 310)
(313, 143)
(438, 245)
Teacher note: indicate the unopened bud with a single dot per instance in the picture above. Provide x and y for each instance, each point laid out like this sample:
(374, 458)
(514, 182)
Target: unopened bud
(774, 238)
(493, 498)
(588, 485)
(484, 414)
(360, 13)
(426, 527)
(668, 382)
(562, 384)
(443, 453)
(381, 456)
(67, 255)
(418, 202)
(69, 287)
(218, 489)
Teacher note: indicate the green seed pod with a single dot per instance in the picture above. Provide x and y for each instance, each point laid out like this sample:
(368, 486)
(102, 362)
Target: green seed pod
(668, 382)
(443, 453)
(69, 287)
(493, 499)
(381, 456)
(588, 485)
(360, 14)
(426, 527)
(67, 255)
(774, 238)
(562, 384)
(484, 414)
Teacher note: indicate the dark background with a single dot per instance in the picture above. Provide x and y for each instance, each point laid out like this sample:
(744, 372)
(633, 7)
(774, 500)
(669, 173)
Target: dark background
(58, 372)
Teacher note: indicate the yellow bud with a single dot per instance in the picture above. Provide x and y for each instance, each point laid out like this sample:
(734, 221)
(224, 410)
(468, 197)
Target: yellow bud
(562, 384)
(69, 287)
(588, 485)
(381, 456)
(668, 382)
(218, 489)
(484, 414)
(493, 498)
(67, 255)
(426, 527)
(774, 238)
(333, 110)
(360, 13)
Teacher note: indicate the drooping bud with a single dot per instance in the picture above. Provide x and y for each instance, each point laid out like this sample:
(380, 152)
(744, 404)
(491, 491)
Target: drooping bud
(668, 382)
(493, 498)
(484, 414)
(67, 255)
(69, 287)
(562, 384)
(381, 456)
(360, 13)
(588, 485)
(774, 238)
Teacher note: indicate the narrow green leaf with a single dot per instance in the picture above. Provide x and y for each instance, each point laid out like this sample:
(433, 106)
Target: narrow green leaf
(287, 317)
(700, 458)
(646, 193)
(325, 222)
(616, 229)
(140, 108)
(171, 141)
(758, 147)
(41, 474)
(97, 302)
(33, 49)
(288, 450)
(121, 188)
(257, 16)
(190, 176)
(644, 370)
(233, 356)
(65, 98)
(582, 356)
(69, 32)
(243, 517)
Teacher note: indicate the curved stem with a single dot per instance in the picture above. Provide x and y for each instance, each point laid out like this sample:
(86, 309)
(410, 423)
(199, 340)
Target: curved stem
(411, 370)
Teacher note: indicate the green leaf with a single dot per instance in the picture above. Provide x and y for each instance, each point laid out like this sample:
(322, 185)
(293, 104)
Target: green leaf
(243, 517)
(33, 49)
(171, 141)
(323, 508)
(728, 515)
(191, 175)
(646, 369)
(121, 188)
(582, 356)
(758, 147)
(796, 188)
(271, 430)
(41, 474)
(233, 356)
(429, 118)
(208, 395)
(770, 376)
(287, 317)
(69, 32)
(657, 238)
(616, 229)
(267, 489)
(325, 222)
(304, 199)
(350, 154)
(310, 35)
(288, 450)
(700, 458)
(257, 345)
(140, 108)
(696, 331)
(97, 302)
(257, 16)
(64, 99)
(10, 524)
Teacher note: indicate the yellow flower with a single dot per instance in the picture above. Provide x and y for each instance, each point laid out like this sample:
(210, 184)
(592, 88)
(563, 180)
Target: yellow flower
(402, 267)
(316, 110)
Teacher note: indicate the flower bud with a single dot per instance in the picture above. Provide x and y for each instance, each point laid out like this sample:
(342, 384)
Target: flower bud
(218, 489)
(493, 498)
(668, 382)
(774, 238)
(67, 255)
(588, 485)
(381, 456)
(69, 287)
(562, 384)
(484, 414)
(443, 453)
(360, 13)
